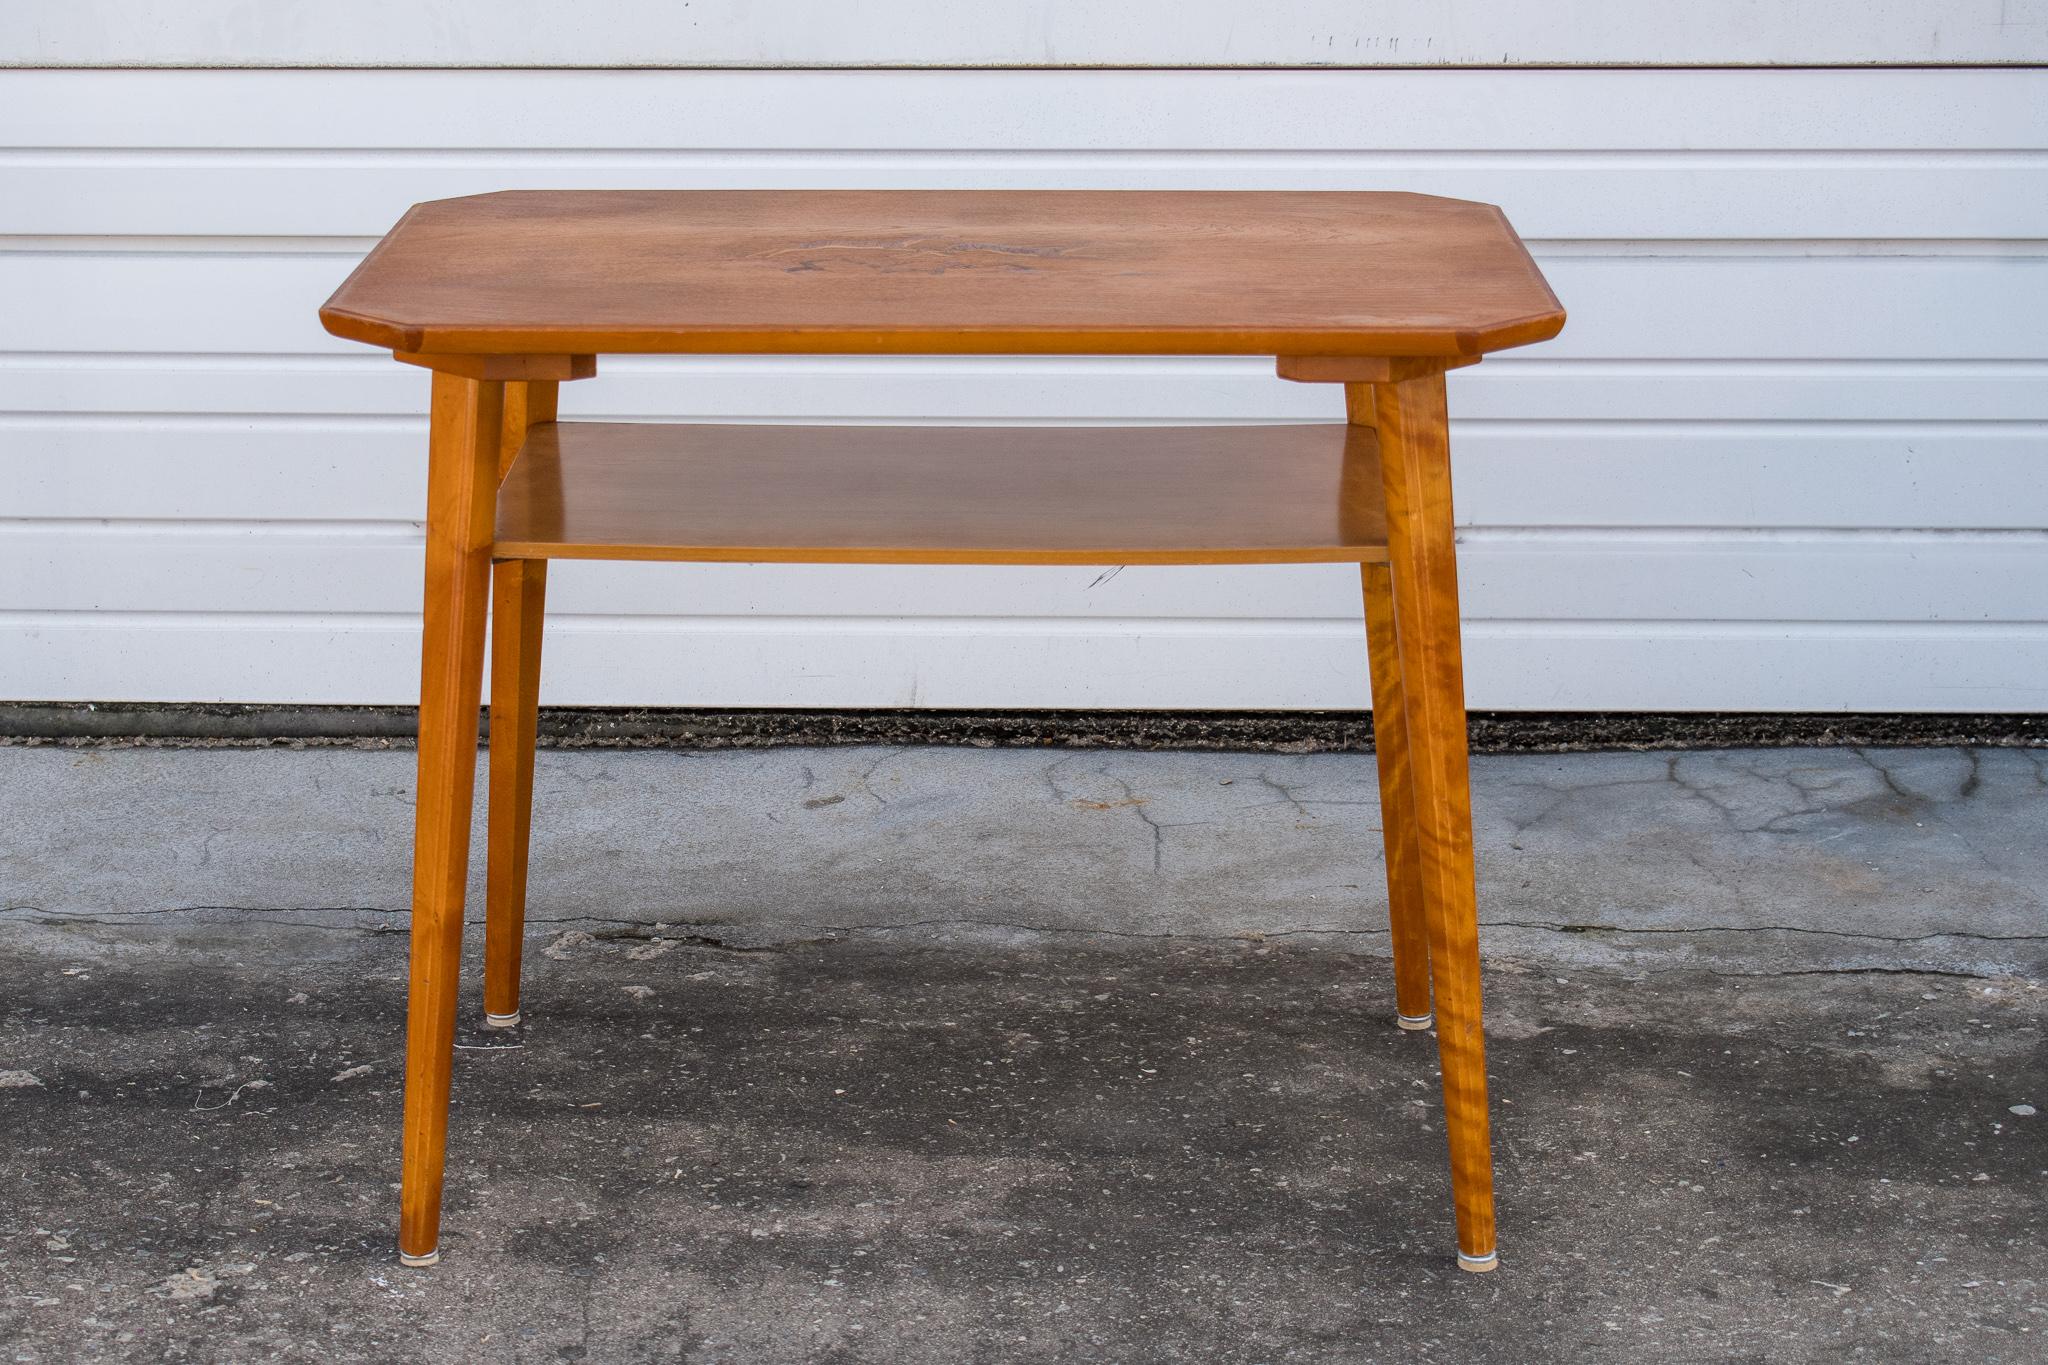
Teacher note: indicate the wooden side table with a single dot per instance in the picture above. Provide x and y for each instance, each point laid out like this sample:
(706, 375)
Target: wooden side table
(504, 296)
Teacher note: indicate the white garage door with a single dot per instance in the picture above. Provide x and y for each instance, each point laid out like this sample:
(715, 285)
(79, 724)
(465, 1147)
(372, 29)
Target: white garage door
(1791, 451)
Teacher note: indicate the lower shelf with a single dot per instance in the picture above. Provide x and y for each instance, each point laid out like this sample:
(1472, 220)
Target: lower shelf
(945, 495)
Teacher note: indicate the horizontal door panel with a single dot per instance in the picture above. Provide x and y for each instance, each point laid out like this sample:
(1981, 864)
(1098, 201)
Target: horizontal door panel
(859, 111)
(1638, 197)
(1733, 308)
(1525, 385)
(1623, 576)
(1590, 667)
(1509, 473)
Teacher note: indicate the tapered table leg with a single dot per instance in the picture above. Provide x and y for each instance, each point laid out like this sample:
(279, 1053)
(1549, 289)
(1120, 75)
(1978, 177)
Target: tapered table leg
(518, 609)
(461, 498)
(1397, 804)
(1422, 553)
(1410, 937)
(518, 605)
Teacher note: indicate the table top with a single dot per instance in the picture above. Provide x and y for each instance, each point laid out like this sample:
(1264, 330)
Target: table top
(990, 272)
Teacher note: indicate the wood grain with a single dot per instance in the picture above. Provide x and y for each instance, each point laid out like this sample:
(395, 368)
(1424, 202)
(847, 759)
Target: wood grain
(1409, 932)
(527, 405)
(1362, 369)
(1422, 559)
(462, 466)
(512, 368)
(945, 495)
(1405, 914)
(518, 608)
(965, 271)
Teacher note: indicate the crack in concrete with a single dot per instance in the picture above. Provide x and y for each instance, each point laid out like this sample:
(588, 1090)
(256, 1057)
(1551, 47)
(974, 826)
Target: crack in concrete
(866, 776)
(1286, 793)
(1049, 930)
(1730, 816)
(122, 916)
(636, 931)
(826, 933)
(1971, 783)
(1759, 929)
(1836, 971)
(1301, 804)
(686, 931)
(1565, 795)
(1131, 801)
(1967, 788)
(1136, 805)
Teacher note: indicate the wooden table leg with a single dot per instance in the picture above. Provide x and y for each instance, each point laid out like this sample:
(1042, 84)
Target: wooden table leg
(1397, 805)
(461, 500)
(1422, 550)
(518, 604)
(518, 608)
(1390, 757)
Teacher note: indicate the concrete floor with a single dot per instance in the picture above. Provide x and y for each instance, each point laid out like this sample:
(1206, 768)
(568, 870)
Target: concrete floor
(958, 1055)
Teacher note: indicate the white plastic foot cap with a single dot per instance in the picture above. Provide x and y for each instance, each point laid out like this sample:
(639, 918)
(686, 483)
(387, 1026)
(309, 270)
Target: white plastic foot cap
(429, 1259)
(1415, 1022)
(1479, 1264)
(502, 1020)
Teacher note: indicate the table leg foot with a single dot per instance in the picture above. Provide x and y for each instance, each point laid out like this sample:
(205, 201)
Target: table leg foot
(1415, 1023)
(502, 1020)
(1479, 1265)
(431, 1258)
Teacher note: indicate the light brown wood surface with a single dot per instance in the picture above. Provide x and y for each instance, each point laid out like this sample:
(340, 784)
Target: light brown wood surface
(1409, 930)
(1363, 369)
(512, 368)
(945, 495)
(462, 468)
(966, 271)
(1422, 560)
(518, 605)
(1405, 913)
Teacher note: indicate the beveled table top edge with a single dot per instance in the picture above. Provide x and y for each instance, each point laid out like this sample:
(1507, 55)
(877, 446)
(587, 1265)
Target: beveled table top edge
(554, 339)
(541, 336)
